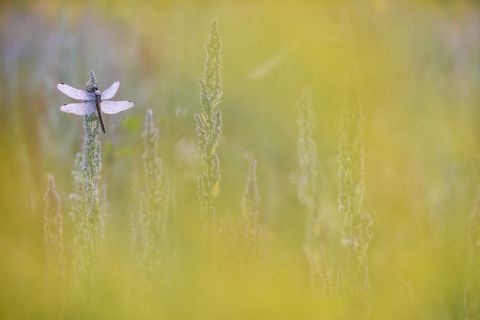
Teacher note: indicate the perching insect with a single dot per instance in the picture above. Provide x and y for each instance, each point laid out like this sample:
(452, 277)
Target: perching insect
(93, 100)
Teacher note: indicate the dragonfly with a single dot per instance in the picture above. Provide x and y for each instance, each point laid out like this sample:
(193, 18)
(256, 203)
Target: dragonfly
(93, 101)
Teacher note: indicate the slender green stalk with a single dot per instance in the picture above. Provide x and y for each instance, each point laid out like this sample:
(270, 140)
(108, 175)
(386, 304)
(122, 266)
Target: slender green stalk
(252, 229)
(88, 207)
(208, 129)
(356, 222)
(309, 195)
(155, 200)
(53, 236)
(307, 154)
(472, 290)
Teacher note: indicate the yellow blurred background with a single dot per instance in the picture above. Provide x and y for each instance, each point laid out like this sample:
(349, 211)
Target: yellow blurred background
(418, 77)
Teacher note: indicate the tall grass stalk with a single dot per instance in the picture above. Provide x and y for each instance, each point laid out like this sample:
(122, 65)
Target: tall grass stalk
(88, 206)
(356, 222)
(472, 290)
(208, 129)
(309, 195)
(251, 226)
(155, 204)
(54, 244)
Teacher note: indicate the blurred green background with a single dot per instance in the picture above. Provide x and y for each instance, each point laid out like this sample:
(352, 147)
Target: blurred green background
(418, 74)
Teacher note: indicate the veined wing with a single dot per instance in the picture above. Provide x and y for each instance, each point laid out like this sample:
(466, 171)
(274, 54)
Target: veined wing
(111, 107)
(81, 109)
(111, 91)
(75, 93)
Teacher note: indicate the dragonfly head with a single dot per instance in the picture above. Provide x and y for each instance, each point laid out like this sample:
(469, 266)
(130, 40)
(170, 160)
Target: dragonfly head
(91, 87)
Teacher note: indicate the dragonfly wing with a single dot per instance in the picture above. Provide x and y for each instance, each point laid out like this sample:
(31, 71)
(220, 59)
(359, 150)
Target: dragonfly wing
(111, 91)
(111, 107)
(74, 93)
(80, 109)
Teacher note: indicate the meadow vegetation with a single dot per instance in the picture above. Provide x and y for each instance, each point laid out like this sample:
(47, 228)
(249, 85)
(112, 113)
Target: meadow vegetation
(284, 160)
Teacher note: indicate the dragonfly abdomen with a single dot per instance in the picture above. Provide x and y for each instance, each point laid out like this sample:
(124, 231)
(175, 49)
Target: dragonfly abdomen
(98, 100)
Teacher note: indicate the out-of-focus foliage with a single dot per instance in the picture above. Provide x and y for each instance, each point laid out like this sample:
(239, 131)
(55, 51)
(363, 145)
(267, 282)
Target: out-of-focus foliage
(417, 80)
